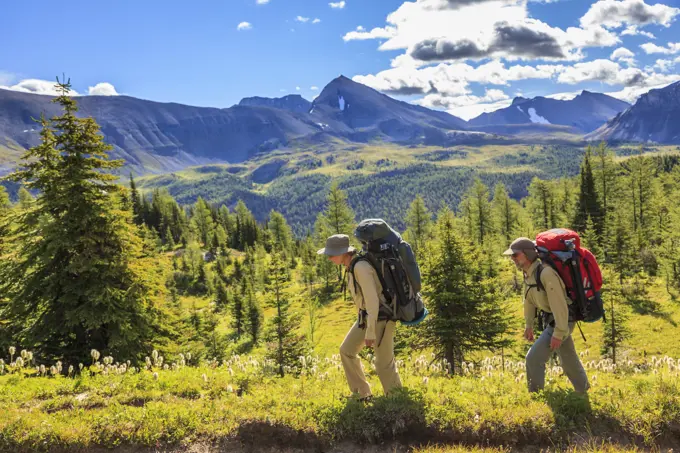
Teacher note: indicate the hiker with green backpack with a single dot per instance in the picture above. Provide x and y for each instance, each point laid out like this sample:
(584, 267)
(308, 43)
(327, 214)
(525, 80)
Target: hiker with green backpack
(560, 305)
(383, 280)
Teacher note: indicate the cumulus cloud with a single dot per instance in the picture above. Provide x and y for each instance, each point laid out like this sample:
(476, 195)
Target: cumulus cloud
(47, 87)
(37, 86)
(467, 112)
(314, 88)
(601, 70)
(623, 54)
(654, 81)
(664, 65)
(633, 30)
(102, 89)
(451, 30)
(337, 5)
(244, 26)
(316, 20)
(650, 48)
(261, 2)
(302, 19)
(361, 34)
(615, 13)
(449, 102)
(452, 79)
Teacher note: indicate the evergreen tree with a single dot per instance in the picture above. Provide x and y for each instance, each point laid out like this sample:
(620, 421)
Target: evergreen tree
(281, 236)
(466, 313)
(324, 266)
(479, 211)
(238, 315)
(418, 222)
(504, 212)
(254, 316)
(589, 238)
(221, 295)
(136, 204)
(284, 345)
(541, 204)
(339, 216)
(25, 198)
(78, 280)
(616, 330)
(604, 172)
(202, 222)
(588, 204)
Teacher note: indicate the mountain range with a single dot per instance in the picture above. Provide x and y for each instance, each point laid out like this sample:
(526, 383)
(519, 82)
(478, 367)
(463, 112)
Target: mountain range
(655, 118)
(158, 137)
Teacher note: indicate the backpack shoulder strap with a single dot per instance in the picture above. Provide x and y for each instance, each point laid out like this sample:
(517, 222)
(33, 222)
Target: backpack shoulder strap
(539, 283)
(372, 261)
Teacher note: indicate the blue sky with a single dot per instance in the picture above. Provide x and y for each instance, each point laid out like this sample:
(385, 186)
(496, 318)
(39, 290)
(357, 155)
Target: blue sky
(464, 56)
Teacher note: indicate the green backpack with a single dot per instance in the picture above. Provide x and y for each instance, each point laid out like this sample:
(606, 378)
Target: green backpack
(397, 269)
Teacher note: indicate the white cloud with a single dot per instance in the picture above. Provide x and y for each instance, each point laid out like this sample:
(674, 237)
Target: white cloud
(316, 20)
(630, 94)
(360, 33)
(430, 31)
(616, 13)
(568, 96)
(452, 79)
(37, 86)
(297, 88)
(244, 26)
(633, 30)
(649, 48)
(102, 89)
(302, 19)
(623, 54)
(438, 101)
(664, 65)
(467, 112)
(261, 2)
(601, 70)
(314, 88)
(337, 5)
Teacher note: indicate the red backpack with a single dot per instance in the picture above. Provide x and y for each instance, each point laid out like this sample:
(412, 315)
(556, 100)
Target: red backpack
(561, 249)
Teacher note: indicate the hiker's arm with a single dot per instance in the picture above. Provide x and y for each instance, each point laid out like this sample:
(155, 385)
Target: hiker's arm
(557, 299)
(364, 274)
(529, 314)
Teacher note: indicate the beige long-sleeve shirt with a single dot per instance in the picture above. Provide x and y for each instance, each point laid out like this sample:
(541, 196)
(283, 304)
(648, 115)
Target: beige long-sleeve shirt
(368, 294)
(553, 300)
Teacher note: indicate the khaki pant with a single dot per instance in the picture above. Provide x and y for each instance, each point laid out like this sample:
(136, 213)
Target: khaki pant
(539, 354)
(385, 364)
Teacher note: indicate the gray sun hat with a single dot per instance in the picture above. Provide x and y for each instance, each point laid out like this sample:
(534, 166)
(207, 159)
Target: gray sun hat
(336, 245)
(525, 245)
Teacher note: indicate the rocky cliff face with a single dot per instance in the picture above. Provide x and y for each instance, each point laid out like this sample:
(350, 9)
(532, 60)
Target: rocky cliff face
(655, 118)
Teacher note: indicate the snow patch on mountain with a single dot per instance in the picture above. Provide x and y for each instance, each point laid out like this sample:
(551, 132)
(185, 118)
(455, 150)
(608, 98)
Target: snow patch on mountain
(535, 118)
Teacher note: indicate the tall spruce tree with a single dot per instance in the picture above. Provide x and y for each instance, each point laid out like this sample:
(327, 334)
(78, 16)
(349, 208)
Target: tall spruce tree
(479, 211)
(504, 211)
(77, 280)
(284, 345)
(604, 172)
(418, 222)
(588, 204)
(541, 204)
(467, 315)
(339, 216)
(616, 330)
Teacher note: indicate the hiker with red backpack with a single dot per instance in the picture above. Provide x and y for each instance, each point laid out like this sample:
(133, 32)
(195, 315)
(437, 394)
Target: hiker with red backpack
(564, 286)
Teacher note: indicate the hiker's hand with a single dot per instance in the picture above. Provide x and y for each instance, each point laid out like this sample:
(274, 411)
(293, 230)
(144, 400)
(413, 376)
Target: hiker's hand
(529, 334)
(369, 343)
(555, 343)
